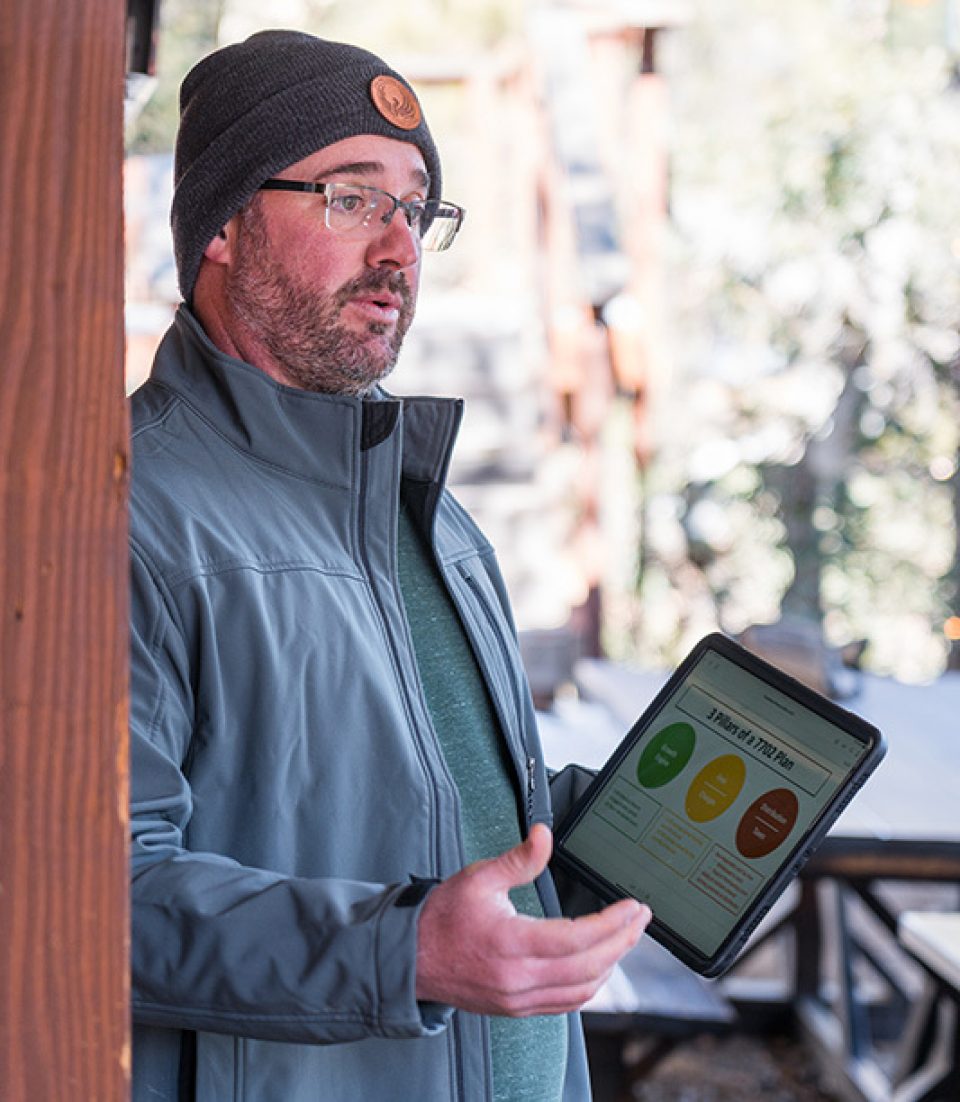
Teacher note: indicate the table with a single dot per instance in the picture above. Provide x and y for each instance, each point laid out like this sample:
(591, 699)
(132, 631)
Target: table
(904, 825)
(934, 939)
(649, 1005)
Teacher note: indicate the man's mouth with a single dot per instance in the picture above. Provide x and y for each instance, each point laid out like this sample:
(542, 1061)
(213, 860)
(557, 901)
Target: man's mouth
(381, 303)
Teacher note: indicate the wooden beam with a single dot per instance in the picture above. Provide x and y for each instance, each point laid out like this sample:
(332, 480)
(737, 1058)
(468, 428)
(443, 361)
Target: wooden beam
(63, 576)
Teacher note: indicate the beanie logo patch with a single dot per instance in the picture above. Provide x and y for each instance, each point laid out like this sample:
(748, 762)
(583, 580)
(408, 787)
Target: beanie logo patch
(395, 102)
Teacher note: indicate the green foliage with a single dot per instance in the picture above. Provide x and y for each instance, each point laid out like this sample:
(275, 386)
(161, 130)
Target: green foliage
(816, 203)
(188, 30)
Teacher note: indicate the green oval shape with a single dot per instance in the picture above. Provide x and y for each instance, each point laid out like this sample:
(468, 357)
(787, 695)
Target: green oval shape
(665, 755)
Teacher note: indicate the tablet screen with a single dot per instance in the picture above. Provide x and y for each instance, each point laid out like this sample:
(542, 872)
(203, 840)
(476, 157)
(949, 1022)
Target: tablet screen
(712, 799)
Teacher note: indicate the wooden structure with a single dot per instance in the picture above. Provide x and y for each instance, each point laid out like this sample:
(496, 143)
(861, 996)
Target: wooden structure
(933, 940)
(603, 197)
(63, 575)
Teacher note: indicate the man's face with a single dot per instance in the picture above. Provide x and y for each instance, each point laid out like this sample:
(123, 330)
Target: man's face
(328, 311)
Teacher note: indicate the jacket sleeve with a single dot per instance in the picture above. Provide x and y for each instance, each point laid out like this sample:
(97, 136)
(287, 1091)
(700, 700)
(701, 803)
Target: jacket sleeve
(221, 947)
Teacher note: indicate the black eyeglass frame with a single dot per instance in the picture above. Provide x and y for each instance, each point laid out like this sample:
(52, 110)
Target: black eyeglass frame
(442, 208)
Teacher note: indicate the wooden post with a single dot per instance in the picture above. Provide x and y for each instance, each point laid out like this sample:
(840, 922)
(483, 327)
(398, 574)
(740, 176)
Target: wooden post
(63, 576)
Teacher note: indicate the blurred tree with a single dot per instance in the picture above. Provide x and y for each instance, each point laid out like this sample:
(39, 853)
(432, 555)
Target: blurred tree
(188, 30)
(816, 203)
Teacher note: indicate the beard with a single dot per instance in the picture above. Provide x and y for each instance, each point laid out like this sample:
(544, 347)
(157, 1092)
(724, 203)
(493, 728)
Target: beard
(301, 328)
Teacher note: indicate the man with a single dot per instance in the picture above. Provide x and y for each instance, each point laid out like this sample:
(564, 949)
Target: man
(336, 777)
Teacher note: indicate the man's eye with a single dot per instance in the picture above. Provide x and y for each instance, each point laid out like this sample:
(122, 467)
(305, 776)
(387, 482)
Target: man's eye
(349, 203)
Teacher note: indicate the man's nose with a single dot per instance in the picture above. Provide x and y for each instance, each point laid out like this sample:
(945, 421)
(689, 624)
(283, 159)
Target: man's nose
(397, 245)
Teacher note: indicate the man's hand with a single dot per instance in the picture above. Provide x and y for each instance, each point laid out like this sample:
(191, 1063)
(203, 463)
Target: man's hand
(475, 952)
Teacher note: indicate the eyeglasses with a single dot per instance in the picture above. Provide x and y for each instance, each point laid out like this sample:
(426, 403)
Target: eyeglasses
(355, 209)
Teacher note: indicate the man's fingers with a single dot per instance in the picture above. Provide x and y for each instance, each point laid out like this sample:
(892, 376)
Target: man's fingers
(519, 865)
(475, 952)
(556, 994)
(586, 964)
(553, 1000)
(563, 937)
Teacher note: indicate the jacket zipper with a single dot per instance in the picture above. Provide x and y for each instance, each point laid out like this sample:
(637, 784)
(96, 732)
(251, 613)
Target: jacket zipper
(394, 652)
(531, 785)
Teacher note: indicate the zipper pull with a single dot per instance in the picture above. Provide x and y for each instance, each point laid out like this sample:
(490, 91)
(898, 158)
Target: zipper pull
(531, 784)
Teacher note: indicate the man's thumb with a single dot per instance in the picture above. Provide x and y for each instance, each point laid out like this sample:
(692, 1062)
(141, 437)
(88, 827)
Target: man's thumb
(524, 862)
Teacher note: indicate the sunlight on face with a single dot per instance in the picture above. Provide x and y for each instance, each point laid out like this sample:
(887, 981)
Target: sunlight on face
(300, 324)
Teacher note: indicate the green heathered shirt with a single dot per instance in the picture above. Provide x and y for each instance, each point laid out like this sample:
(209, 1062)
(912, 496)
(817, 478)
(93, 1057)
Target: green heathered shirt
(528, 1055)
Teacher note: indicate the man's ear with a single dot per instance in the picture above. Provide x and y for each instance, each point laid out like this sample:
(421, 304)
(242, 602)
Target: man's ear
(220, 249)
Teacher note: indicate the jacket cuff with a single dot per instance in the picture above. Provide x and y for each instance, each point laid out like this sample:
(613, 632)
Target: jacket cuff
(401, 1014)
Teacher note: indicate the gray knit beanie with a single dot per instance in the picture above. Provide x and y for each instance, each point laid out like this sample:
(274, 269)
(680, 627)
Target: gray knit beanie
(250, 110)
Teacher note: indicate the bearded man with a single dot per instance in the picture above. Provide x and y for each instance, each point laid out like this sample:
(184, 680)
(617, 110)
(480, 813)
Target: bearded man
(340, 808)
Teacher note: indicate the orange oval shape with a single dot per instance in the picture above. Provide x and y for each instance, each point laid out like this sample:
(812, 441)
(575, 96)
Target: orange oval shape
(715, 787)
(767, 822)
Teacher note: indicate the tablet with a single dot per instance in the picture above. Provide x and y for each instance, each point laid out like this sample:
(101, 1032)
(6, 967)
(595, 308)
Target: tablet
(715, 798)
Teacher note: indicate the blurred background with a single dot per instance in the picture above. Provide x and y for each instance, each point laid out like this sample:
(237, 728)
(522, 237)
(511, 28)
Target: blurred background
(704, 310)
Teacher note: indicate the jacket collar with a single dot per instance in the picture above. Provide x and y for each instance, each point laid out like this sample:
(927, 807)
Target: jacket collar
(316, 436)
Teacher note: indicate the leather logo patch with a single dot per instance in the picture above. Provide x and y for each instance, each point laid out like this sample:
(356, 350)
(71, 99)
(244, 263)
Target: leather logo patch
(395, 102)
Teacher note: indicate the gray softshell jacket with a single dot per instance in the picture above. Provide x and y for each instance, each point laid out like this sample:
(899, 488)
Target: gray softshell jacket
(289, 795)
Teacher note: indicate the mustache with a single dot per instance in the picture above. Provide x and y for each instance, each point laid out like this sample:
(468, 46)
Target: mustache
(393, 282)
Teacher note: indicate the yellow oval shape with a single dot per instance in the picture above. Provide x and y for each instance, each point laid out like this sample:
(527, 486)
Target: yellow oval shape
(715, 788)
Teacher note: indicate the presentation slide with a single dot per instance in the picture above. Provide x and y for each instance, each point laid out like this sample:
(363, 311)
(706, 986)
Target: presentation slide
(713, 798)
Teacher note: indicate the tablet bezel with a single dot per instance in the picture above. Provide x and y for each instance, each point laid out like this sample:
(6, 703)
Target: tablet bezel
(725, 954)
